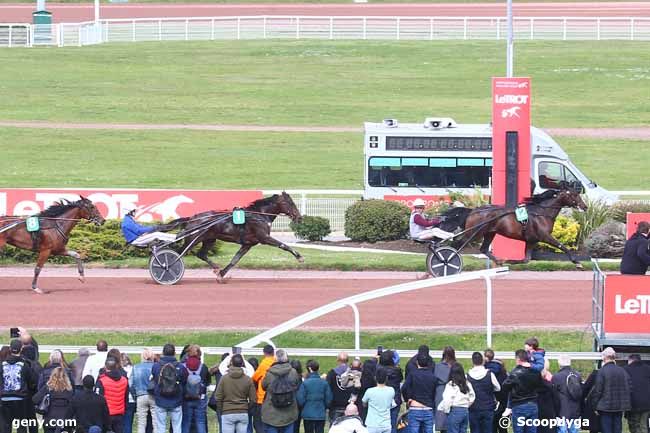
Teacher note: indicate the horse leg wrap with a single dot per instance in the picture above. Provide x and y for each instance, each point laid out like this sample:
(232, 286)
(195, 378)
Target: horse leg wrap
(37, 271)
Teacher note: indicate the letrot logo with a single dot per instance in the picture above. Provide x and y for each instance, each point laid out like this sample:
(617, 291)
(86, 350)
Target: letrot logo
(637, 305)
(511, 99)
(511, 112)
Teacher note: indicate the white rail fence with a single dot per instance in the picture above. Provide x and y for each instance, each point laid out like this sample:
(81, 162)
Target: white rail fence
(324, 27)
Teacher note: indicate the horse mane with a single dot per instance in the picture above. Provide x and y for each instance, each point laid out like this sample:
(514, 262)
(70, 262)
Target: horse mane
(59, 208)
(539, 198)
(257, 204)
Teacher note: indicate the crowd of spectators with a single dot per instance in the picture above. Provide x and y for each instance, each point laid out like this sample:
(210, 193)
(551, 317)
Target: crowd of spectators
(104, 392)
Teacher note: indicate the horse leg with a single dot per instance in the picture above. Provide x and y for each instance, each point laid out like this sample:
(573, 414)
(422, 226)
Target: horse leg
(529, 251)
(42, 258)
(221, 276)
(485, 247)
(547, 238)
(268, 240)
(203, 254)
(80, 266)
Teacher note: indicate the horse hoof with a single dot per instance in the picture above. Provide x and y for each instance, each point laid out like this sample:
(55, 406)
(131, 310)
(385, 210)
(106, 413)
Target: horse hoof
(221, 280)
(580, 267)
(301, 259)
(39, 291)
(82, 279)
(216, 271)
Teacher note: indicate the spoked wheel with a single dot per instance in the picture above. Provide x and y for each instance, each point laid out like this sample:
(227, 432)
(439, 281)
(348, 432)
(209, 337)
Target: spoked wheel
(444, 261)
(166, 267)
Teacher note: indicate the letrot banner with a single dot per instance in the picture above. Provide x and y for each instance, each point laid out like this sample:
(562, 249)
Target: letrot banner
(150, 204)
(627, 304)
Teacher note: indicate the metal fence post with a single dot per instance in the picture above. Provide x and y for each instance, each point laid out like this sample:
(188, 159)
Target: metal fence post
(331, 27)
(187, 30)
(303, 203)
(397, 24)
(498, 28)
(598, 29)
(364, 27)
(10, 35)
(61, 36)
(238, 27)
(532, 27)
(160, 30)
(297, 27)
(465, 28)
(488, 330)
(431, 29)
(631, 29)
(564, 29)
(133, 31)
(79, 36)
(264, 28)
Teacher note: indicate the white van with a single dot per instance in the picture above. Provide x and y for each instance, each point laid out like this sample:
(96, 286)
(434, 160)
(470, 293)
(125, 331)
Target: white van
(438, 155)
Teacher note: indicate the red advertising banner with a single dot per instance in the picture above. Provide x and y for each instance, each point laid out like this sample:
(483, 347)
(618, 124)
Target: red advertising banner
(407, 200)
(627, 304)
(151, 204)
(633, 219)
(510, 113)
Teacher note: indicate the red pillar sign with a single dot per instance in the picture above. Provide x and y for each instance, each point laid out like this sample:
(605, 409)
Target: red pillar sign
(510, 153)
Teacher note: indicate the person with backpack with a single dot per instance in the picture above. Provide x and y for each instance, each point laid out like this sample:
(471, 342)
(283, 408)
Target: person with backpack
(340, 395)
(17, 385)
(280, 408)
(114, 387)
(54, 399)
(569, 386)
(169, 377)
(314, 396)
(195, 401)
(235, 395)
(485, 385)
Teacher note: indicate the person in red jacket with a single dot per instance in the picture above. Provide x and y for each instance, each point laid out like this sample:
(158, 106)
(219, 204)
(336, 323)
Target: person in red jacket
(114, 387)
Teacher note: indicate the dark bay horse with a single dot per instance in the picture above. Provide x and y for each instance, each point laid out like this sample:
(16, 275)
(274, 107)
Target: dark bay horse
(56, 223)
(488, 221)
(257, 229)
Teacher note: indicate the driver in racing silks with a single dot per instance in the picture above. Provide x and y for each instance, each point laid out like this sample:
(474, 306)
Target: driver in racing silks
(141, 236)
(423, 228)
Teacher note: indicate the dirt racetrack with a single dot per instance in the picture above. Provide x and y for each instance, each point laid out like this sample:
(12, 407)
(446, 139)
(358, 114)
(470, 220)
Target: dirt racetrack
(130, 300)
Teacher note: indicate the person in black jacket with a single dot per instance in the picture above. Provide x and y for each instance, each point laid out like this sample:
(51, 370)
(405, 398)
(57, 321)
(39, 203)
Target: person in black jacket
(17, 386)
(611, 394)
(412, 365)
(367, 381)
(419, 392)
(499, 371)
(569, 400)
(586, 409)
(548, 401)
(636, 257)
(59, 389)
(639, 373)
(522, 385)
(89, 409)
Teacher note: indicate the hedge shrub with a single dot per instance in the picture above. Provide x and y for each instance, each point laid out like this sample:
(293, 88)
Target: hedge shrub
(94, 243)
(620, 209)
(376, 220)
(311, 228)
(566, 231)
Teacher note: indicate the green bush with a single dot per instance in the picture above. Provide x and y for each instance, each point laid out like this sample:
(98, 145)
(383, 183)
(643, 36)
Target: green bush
(597, 214)
(94, 243)
(311, 228)
(376, 220)
(620, 209)
(474, 200)
(566, 231)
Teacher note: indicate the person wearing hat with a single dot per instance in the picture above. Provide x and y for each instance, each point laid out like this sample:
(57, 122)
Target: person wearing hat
(141, 236)
(423, 228)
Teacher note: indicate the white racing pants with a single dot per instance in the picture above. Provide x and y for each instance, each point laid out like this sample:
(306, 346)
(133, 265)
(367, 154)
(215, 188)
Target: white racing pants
(147, 238)
(434, 232)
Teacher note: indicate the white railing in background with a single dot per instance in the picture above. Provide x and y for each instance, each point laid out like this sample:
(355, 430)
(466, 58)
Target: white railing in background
(326, 27)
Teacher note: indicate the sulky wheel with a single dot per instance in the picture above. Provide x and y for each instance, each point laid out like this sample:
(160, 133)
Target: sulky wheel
(444, 261)
(166, 267)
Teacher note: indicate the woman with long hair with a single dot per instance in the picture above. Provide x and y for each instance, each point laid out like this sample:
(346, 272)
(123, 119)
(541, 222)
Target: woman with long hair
(368, 381)
(58, 390)
(441, 373)
(388, 361)
(457, 397)
(56, 360)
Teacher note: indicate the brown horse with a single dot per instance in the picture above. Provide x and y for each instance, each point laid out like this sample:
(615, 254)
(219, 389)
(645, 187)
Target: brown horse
(488, 221)
(208, 227)
(56, 223)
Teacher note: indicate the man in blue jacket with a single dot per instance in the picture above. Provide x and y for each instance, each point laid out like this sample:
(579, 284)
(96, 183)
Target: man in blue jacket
(169, 377)
(636, 257)
(141, 236)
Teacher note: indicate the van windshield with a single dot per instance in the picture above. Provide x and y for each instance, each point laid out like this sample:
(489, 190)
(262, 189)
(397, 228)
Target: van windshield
(429, 172)
(553, 175)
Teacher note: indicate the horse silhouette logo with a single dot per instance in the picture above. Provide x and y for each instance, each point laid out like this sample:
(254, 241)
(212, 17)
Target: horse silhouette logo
(511, 112)
(166, 209)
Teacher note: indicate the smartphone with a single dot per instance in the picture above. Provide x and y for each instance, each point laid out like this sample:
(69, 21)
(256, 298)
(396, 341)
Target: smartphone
(236, 350)
(14, 333)
(380, 349)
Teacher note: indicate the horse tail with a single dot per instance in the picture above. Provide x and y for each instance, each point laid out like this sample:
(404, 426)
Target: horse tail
(174, 224)
(455, 217)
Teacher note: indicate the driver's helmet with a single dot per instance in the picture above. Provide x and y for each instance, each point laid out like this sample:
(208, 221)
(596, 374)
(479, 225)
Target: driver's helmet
(418, 202)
